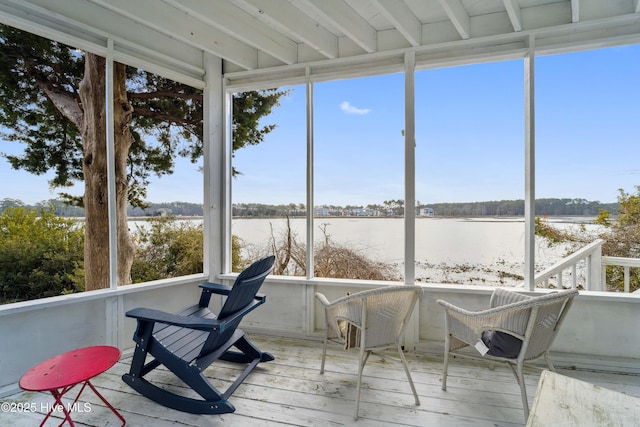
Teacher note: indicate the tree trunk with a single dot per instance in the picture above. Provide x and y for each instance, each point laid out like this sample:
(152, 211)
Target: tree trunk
(94, 164)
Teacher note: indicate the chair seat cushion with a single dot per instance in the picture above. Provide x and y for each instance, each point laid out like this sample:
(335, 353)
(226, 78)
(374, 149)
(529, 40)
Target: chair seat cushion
(501, 344)
(350, 333)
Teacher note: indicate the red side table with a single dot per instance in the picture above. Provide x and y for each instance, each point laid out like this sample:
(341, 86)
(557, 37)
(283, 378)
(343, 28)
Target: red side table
(61, 373)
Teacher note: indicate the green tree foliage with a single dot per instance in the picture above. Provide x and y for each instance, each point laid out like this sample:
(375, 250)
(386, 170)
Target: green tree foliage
(621, 237)
(629, 209)
(167, 248)
(41, 255)
(551, 207)
(52, 100)
(166, 117)
(603, 218)
(170, 247)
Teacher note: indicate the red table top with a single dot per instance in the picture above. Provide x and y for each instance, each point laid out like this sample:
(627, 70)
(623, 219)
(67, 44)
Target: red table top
(70, 368)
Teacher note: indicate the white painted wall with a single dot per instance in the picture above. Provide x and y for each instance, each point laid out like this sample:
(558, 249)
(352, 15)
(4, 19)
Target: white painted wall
(33, 331)
(600, 328)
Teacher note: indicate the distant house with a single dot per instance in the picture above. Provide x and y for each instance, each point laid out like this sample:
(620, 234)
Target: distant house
(424, 211)
(322, 212)
(359, 212)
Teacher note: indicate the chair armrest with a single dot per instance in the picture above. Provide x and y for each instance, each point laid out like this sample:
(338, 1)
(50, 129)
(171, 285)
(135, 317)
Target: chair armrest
(469, 325)
(323, 300)
(158, 316)
(216, 288)
(347, 308)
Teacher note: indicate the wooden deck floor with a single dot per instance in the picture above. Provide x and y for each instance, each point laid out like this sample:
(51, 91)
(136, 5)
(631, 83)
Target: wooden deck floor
(291, 391)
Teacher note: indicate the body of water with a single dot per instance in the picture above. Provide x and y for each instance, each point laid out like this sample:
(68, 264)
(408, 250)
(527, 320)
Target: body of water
(452, 250)
(481, 251)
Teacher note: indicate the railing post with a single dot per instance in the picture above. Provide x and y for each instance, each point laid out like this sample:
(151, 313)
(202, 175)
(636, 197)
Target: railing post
(627, 288)
(559, 279)
(596, 280)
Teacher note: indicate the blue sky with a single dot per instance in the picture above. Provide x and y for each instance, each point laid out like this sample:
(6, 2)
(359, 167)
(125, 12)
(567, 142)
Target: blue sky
(469, 138)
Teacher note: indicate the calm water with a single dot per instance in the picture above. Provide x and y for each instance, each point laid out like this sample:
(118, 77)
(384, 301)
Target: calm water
(454, 250)
(450, 250)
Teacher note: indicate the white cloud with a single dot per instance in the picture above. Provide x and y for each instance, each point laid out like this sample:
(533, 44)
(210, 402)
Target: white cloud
(350, 109)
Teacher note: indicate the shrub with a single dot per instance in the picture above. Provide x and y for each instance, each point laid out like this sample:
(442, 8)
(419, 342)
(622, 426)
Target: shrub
(41, 255)
(621, 238)
(330, 258)
(169, 247)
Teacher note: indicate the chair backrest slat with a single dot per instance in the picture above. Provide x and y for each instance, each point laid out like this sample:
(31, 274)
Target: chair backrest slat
(546, 324)
(242, 293)
(246, 286)
(388, 313)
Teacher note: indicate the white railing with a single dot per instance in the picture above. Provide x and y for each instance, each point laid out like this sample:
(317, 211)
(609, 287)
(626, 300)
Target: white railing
(586, 268)
(626, 263)
(587, 261)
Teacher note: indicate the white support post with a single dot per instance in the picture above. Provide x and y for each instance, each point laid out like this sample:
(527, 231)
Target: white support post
(310, 176)
(412, 333)
(111, 169)
(310, 288)
(216, 164)
(114, 310)
(409, 169)
(529, 166)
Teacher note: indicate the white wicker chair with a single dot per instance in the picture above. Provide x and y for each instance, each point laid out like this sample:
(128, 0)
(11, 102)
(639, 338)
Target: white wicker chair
(370, 320)
(534, 320)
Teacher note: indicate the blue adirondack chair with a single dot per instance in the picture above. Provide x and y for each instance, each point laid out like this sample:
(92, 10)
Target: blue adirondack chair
(187, 342)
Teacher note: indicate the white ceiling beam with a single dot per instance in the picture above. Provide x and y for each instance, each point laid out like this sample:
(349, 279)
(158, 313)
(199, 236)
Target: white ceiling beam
(239, 24)
(341, 16)
(163, 18)
(575, 11)
(513, 10)
(458, 16)
(145, 48)
(288, 19)
(402, 18)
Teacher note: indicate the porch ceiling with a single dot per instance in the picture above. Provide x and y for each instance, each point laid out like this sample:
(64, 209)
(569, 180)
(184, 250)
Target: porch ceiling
(253, 35)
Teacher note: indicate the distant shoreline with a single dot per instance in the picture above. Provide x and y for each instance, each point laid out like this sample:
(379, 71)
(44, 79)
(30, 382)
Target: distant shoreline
(580, 219)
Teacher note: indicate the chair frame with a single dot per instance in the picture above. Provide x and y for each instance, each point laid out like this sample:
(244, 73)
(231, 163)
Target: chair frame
(357, 309)
(535, 320)
(187, 342)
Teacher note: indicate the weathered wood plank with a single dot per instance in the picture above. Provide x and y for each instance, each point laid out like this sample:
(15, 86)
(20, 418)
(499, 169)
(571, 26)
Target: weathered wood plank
(562, 400)
(291, 391)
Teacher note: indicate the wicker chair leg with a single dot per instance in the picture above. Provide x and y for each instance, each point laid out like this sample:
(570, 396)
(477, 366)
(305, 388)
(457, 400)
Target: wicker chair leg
(324, 352)
(446, 363)
(362, 361)
(523, 391)
(548, 360)
(406, 370)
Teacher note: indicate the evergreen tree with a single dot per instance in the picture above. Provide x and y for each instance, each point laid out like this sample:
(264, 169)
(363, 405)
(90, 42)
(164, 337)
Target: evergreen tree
(52, 99)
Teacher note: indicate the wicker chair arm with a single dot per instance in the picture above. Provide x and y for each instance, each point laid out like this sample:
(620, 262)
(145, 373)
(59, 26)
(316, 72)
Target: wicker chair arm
(469, 325)
(348, 308)
(323, 299)
(511, 318)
